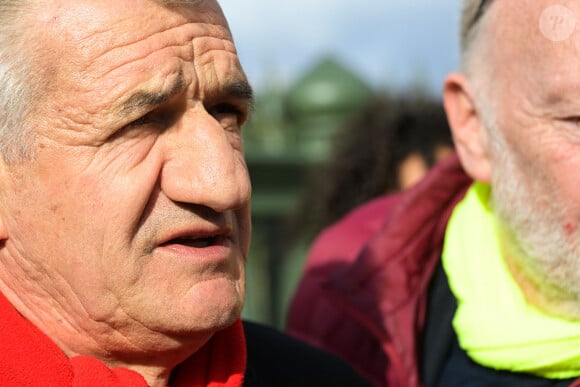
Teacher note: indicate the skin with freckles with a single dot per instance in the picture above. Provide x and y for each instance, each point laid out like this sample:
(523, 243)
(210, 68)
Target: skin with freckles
(126, 234)
(516, 125)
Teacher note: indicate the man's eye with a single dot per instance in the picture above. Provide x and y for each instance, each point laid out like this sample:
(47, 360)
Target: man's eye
(575, 120)
(154, 119)
(226, 112)
(144, 120)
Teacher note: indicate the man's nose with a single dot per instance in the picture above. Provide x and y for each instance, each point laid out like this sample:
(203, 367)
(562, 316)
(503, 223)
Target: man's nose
(204, 164)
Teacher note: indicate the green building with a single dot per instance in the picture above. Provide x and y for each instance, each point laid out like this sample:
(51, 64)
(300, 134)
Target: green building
(290, 133)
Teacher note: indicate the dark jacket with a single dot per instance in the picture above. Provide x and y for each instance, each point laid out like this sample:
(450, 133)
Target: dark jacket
(278, 360)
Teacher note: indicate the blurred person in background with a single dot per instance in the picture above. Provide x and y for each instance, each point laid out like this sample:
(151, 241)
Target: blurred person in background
(387, 147)
(471, 277)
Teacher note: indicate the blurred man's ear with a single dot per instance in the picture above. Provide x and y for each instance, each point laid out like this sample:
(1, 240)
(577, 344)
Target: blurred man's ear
(469, 135)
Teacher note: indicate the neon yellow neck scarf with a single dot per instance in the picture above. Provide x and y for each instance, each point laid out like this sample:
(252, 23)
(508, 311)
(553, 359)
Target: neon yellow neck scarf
(494, 323)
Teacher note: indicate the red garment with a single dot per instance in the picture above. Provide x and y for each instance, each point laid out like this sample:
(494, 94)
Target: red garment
(30, 358)
(363, 295)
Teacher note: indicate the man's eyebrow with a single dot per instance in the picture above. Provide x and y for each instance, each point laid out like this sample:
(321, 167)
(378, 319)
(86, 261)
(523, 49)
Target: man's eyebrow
(145, 100)
(239, 89)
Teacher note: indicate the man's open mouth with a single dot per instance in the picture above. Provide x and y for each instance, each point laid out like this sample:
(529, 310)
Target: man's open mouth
(194, 242)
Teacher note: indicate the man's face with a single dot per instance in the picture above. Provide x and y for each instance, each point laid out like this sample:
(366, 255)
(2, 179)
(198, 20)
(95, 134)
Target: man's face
(131, 220)
(535, 147)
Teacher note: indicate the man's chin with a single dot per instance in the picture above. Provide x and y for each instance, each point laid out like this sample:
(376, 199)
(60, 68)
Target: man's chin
(208, 306)
(215, 309)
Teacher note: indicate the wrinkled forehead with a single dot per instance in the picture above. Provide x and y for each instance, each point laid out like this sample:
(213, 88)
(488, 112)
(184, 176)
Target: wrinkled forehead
(533, 38)
(74, 36)
(78, 20)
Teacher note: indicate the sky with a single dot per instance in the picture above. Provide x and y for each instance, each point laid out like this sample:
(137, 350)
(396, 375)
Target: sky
(390, 44)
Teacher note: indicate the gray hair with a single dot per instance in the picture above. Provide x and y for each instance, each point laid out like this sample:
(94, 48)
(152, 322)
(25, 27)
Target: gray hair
(472, 45)
(16, 82)
(472, 14)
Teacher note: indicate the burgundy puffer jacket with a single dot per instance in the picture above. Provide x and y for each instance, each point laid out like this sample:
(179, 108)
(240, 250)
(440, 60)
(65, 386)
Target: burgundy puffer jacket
(363, 294)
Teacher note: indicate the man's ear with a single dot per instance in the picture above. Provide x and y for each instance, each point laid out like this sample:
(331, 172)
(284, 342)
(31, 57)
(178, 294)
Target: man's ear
(469, 135)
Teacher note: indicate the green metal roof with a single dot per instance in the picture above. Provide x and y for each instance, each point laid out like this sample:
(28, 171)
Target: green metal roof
(328, 88)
